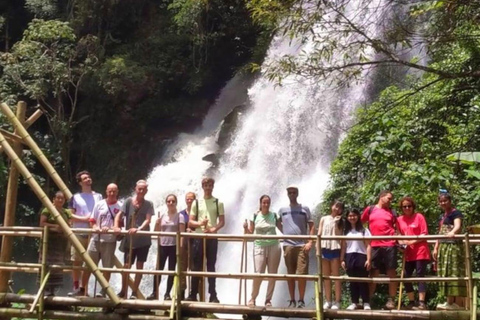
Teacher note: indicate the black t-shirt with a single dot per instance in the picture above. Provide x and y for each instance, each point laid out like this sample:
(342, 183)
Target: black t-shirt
(449, 218)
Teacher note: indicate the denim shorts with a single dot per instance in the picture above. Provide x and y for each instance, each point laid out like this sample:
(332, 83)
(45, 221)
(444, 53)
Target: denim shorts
(330, 254)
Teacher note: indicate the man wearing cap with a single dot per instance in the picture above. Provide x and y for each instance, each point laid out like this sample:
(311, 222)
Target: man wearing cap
(296, 220)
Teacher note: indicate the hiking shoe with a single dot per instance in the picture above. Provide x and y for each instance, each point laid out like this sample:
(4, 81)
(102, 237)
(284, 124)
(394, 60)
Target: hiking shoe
(77, 293)
(366, 306)
(133, 296)
(447, 306)
(327, 305)
(410, 305)
(292, 303)
(421, 306)
(121, 295)
(301, 304)
(214, 299)
(152, 296)
(167, 297)
(101, 294)
(268, 303)
(390, 305)
(191, 298)
(442, 306)
(335, 306)
(353, 306)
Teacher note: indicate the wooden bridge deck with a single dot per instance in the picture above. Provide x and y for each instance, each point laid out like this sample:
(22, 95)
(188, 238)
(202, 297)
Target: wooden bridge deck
(151, 310)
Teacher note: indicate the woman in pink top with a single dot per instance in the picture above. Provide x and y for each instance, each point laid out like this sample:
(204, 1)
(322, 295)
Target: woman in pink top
(417, 253)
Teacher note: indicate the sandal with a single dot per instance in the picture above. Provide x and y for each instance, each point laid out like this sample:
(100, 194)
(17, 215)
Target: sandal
(251, 303)
(268, 303)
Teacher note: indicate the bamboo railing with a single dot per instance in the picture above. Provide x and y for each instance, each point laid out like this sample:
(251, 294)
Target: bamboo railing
(176, 305)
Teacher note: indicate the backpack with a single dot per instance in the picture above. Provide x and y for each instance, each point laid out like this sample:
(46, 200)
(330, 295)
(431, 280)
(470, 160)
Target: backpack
(196, 213)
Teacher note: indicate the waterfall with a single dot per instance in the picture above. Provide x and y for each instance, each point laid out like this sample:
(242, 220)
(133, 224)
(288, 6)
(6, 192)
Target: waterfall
(289, 134)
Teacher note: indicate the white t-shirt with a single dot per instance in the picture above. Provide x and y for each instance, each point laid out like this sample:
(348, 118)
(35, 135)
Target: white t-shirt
(83, 204)
(170, 225)
(357, 246)
(104, 216)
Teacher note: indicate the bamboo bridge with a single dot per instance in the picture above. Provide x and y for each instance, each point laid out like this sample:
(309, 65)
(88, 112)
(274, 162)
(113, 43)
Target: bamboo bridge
(114, 308)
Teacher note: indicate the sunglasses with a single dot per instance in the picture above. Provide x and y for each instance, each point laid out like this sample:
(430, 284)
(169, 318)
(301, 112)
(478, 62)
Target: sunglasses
(407, 207)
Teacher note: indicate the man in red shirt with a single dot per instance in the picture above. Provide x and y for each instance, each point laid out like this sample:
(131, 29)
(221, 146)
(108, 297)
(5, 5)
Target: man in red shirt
(382, 222)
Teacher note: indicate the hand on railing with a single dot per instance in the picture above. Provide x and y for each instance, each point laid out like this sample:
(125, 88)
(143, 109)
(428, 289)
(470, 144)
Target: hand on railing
(132, 230)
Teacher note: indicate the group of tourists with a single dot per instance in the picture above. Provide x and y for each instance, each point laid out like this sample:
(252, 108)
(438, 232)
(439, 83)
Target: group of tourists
(359, 258)
(364, 258)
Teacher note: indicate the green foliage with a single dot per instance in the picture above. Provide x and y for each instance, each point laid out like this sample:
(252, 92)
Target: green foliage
(348, 37)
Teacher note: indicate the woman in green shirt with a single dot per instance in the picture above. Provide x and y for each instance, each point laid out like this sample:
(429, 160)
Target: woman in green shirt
(57, 242)
(266, 252)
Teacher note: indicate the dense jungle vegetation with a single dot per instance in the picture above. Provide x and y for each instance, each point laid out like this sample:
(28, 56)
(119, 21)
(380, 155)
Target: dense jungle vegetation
(117, 80)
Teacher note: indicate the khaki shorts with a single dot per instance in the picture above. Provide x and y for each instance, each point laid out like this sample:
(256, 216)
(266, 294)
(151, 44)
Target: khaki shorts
(104, 251)
(295, 259)
(75, 256)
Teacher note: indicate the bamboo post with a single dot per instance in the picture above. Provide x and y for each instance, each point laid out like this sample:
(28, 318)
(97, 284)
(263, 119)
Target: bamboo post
(58, 218)
(40, 296)
(320, 282)
(178, 275)
(468, 269)
(11, 201)
(402, 274)
(474, 303)
(22, 132)
(317, 300)
(241, 271)
(204, 253)
(174, 298)
(156, 279)
(245, 268)
(43, 270)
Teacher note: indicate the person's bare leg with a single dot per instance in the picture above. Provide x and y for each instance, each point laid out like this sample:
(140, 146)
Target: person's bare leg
(302, 285)
(123, 291)
(85, 276)
(374, 273)
(76, 273)
(421, 296)
(411, 296)
(327, 283)
(335, 271)
(291, 289)
(392, 286)
(461, 301)
(138, 277)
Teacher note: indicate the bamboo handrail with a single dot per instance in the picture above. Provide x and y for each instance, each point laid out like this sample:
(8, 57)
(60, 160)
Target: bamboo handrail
(251, 237)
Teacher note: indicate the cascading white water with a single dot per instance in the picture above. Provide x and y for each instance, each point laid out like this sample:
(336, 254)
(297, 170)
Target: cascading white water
(289, 135)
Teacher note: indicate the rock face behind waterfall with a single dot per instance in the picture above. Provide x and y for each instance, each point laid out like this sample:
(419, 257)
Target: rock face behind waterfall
(224, 138)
